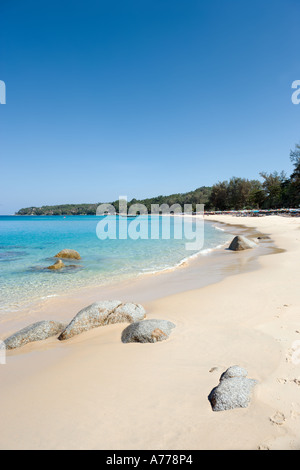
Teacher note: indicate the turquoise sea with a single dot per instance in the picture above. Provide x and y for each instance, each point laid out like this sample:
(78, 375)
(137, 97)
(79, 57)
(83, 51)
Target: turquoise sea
(28, 245)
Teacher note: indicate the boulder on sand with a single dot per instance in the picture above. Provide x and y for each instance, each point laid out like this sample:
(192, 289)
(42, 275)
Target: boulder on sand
(69, 254)
(58, 265)
(147, 331)
(233, 391)
(35, 332)
(103, 313)
(240, 243)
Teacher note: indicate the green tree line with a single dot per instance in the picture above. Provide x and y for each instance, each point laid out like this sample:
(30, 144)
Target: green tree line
(274, 191)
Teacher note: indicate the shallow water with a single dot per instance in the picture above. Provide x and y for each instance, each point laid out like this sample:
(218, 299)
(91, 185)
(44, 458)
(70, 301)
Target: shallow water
(28, 245)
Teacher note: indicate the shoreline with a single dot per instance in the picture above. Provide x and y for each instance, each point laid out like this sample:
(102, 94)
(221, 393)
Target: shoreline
(36, 302)
(111, 280)
(126, 288)
(93, 392)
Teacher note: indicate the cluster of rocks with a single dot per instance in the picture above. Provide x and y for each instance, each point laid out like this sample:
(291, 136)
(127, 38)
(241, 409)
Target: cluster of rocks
(100, 314)
(234, 389)
(64, 254)
(106, 312)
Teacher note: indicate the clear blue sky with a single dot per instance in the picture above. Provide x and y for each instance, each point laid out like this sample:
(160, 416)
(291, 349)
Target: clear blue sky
(143, 97)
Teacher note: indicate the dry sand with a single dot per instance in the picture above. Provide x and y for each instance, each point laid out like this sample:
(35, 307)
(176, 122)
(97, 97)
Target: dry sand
(93, 392)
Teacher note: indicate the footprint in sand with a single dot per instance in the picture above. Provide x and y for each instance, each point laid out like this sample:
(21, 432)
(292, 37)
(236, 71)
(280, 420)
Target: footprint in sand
(293, 381)
(295, 411)
(294, 414)
(293, 354)
(278, 418)
(282, 381)
(281, 308)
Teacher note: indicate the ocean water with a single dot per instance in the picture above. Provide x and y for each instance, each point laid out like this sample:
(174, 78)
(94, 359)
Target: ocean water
(28, 245)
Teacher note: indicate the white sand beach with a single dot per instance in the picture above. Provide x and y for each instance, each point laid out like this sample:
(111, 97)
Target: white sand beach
(94, 392)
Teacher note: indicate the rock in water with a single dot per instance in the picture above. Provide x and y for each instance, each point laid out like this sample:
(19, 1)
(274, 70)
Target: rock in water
(148, 331)
(103, 313)
(35, 332)
(69, 254)
(240, 243)
(233, 391)
(58, 265)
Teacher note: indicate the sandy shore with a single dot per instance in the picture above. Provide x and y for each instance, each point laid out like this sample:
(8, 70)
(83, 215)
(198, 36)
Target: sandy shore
(93, 392)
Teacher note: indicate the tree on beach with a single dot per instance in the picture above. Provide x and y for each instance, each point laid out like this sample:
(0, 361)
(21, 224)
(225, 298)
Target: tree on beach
(273, 185)
(257, 195)
(239, 190)
(219, 196)
(237, 194)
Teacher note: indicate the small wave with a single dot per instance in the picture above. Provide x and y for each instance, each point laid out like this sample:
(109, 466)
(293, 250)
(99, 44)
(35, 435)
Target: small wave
(183, 261)
(219, 228)
(48, 296)
(209, 250)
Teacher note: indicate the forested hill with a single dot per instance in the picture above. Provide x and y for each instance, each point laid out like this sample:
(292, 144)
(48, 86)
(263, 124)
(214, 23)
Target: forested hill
(274, 190)
(199, 196)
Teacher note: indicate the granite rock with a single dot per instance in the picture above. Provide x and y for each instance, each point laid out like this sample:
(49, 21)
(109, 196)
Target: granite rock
(56, 266)
(240, 243)
(103, 313)
(148, 331)
(35, 332)
(68, 254)
(233, 391)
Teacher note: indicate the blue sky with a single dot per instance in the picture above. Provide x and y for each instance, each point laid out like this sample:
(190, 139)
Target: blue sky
(143, 97)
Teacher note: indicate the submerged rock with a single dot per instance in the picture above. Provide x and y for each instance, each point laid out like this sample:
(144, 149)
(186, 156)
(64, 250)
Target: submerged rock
(58, 265)
(69, 254)
(233, 391)
(103, 313)
(240, 243)
(148, 331)
(35, 332)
